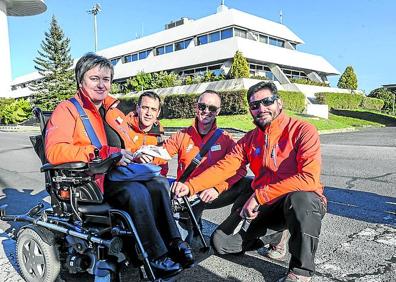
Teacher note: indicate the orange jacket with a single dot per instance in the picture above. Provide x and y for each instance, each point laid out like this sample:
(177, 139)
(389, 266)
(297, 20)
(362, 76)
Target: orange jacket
(285, 157)
(188, 142)
(140, 138)
(66, 139)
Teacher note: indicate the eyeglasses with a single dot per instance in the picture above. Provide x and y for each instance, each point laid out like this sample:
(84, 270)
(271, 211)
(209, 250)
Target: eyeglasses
(267, 101)
(203, 106)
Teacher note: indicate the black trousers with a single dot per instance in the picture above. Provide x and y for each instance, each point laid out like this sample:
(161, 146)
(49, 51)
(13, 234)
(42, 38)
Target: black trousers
(299, 212)
(148, 203)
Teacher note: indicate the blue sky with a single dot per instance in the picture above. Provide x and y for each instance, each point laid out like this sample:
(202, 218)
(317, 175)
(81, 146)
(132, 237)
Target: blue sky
(361, 33)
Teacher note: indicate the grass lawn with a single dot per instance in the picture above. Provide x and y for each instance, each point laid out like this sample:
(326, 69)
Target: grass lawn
(337, 120)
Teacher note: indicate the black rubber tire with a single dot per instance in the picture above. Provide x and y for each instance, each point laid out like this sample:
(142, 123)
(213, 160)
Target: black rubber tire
(38, 261)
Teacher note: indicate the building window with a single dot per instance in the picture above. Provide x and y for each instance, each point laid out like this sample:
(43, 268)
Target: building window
(160, 51)
(226, 33)
(114, 61)
(240, 32)
(182, 44)
(276, 42)
(263, 39)
(144, 54)
(127, 59)
(294, 45)
(214, 36)
(169, 48)
(203, 39)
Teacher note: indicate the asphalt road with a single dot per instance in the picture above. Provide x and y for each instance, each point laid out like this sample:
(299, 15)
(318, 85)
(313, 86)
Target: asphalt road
(358, 240)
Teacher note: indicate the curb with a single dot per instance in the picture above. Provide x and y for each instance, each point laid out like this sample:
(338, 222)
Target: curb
(338, 130)
(19, 128)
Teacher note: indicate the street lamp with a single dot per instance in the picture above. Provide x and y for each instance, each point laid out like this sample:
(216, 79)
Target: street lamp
(94, 11)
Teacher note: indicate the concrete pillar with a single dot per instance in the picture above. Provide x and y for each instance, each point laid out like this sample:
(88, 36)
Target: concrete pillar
(5, 62)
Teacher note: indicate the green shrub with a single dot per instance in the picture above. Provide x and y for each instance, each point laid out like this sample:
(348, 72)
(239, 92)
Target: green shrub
(386, 96)
(127, 104)
(179, 105)
(340, 101)
(182, 105)
(372, 104)
(14, 111)
(294, 101)
(348, 79)
(308, 82)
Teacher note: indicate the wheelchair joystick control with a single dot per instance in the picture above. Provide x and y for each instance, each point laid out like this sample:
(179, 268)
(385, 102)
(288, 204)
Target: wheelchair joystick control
(97, 158)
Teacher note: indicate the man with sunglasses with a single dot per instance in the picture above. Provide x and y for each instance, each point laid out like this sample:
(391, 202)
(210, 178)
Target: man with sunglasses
(284, 156)
(188, 142)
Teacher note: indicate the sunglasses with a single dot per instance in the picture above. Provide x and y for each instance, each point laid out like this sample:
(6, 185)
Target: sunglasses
(267, 101)
(203, 106)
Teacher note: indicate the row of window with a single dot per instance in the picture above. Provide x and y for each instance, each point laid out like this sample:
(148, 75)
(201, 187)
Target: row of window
(294, 74)
(202, 40)
(215, 69)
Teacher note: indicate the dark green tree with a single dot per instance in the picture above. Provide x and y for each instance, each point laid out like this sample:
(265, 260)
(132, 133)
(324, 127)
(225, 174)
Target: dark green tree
(239, 67)
(385, 95)
(348, 79)
(54, 63)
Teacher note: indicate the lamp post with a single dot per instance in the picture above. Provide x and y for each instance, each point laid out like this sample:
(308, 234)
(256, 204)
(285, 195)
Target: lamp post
(94, 11)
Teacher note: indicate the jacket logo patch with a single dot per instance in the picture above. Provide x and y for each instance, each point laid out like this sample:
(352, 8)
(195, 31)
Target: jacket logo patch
(135, 138)
(119, 120)
(215, 148)
(257, 151)
(189, 148)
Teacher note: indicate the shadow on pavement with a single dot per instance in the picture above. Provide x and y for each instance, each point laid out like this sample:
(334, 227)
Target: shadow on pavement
(364, 206)
(369, 116)
(20, 201)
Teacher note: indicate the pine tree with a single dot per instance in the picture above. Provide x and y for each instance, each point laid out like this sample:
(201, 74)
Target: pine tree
(240, 66)
(348, 79)
(54, 64)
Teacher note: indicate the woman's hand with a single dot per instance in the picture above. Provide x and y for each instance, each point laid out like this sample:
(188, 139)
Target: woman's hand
(127, 158)
(179, 189)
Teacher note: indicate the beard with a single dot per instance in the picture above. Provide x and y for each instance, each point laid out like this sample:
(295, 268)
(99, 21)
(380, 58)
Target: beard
(260, 123)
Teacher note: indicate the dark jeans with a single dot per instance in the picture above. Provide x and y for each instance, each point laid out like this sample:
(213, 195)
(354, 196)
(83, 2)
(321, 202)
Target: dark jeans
(299, 212)
(148, 203)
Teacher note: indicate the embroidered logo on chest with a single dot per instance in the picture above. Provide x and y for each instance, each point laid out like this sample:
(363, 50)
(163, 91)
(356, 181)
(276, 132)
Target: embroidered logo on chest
(135, 138)
(189, 148)
(257, 151)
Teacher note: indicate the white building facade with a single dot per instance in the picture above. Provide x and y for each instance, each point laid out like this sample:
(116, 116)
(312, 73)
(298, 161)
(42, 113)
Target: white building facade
(190, 47)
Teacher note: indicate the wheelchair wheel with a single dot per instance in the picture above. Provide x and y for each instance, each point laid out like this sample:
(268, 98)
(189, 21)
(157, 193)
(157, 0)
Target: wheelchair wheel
(38, 261)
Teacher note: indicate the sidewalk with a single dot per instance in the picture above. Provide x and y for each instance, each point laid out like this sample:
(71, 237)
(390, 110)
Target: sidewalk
(8, 263)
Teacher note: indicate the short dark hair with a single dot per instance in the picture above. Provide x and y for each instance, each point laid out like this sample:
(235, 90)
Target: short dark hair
(260, 86)
(209, 92)
(89, 61)
(150, 94)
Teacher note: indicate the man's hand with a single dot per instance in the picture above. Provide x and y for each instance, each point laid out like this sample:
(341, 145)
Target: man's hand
(143, 159)
(249, 210)
(179, 189)
(127, 158)
(209, 195)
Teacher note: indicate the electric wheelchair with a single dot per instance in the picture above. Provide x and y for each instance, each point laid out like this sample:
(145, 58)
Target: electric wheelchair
(80, 232)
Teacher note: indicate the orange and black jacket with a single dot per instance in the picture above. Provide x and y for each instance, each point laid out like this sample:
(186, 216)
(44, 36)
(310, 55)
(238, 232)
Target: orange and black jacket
(188, 142)
(66, 139)
(284, 157)
(140, 137)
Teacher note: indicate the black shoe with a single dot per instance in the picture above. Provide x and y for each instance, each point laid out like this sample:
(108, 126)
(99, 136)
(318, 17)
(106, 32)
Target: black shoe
(181, 252)
(165, 267)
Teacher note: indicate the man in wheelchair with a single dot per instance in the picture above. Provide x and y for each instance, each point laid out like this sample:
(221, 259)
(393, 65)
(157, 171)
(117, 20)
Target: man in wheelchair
(85, 138)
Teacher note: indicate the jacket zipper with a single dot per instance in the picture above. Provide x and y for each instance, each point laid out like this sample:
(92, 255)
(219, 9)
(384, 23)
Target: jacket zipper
(273, 155)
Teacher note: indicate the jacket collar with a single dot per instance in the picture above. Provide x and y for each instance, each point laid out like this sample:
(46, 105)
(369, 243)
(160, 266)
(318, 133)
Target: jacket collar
(275, 129)
(155, 130)
(195, 131)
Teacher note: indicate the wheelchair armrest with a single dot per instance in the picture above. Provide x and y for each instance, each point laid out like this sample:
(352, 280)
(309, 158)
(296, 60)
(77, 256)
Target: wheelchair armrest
(67, 166)
(105, 165)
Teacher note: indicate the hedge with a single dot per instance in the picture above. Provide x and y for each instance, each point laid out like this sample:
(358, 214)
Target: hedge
(182, 105)
(372, 103)
(293, 101)
(340, 101)
(232, 103)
